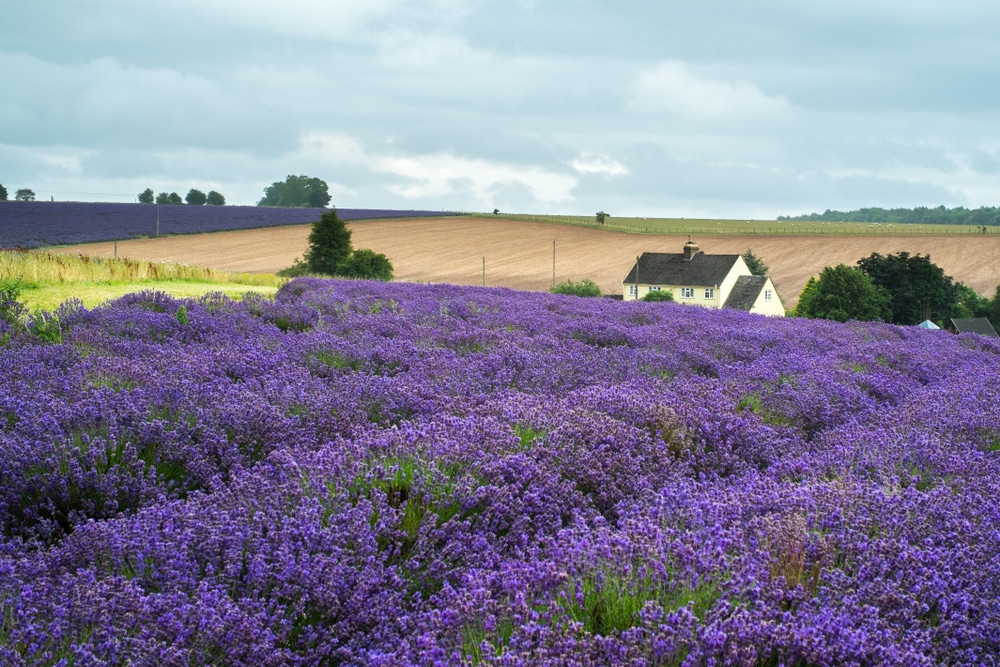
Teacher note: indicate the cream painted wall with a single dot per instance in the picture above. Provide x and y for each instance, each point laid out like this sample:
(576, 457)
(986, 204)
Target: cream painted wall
(772, 308)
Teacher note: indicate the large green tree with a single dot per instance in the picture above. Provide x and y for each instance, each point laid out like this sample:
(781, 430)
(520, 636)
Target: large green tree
(214, 198)
(25, 194)
(993, 309)
(970, 303)
(843, 293)
(3, 193)
(329, 244)
(147, 196)
(297, 192)
(919, 288)
(195, 197)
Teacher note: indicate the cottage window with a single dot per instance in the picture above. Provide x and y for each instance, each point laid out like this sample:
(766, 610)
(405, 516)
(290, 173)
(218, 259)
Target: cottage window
(709, 292)
(654, 288)
(767, 295)
(687, 292)
(633, 290)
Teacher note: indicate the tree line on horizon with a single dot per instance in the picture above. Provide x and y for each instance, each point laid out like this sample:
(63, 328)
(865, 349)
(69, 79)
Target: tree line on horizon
(921, 215)
(194, 197)
(22, 194)
(294, 192)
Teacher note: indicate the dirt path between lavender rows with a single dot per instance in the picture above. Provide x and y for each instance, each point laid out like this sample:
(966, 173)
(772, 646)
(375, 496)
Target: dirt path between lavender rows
(519, 254)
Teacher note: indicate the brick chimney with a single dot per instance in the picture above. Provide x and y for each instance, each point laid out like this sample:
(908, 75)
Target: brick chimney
(690, 249)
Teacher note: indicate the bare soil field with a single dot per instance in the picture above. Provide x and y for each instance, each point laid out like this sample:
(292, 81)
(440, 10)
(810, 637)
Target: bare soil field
(519, 254)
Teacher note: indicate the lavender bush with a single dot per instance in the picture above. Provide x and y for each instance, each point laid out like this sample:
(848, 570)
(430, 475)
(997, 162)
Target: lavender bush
(34, 224)
(358, 473)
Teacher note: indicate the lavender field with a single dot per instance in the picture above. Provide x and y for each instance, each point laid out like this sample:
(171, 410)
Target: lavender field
(36, 224)
(362, 473)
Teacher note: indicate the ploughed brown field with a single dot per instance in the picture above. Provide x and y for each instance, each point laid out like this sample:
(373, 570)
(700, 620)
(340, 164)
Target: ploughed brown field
(519, 254)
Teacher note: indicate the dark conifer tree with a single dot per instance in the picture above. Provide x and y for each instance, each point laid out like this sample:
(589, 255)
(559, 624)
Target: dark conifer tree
(329, 244)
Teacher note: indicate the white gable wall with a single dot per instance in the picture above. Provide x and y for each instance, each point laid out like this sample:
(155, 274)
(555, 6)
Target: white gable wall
(740, 268)
(772, 308)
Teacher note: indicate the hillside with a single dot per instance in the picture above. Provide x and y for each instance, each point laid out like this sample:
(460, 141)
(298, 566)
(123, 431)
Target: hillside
(388, 474)
(519, 254)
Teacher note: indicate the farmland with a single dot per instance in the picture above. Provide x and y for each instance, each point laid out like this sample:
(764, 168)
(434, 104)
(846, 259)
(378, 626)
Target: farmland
(707, 226)
(519, 253)
(394, 474)
(34, 224)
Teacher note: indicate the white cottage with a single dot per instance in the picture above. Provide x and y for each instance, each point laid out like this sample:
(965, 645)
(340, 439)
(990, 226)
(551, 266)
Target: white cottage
(712, 281)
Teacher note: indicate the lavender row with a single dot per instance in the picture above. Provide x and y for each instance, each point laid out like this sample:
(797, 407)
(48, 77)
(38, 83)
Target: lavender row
(367, 474)
(34, 224)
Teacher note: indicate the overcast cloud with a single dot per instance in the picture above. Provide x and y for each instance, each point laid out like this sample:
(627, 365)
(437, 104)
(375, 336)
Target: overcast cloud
(715, 109)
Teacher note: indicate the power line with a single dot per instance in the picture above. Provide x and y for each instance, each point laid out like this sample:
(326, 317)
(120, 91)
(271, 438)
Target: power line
(103, 194)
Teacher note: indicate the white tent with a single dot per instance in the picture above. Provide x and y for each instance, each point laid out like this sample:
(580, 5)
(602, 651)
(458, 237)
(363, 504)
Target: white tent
(927, 324)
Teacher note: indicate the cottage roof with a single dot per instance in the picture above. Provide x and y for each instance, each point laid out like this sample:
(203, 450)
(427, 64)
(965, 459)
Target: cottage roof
(979, 325)
(745, 292)
(663, 268)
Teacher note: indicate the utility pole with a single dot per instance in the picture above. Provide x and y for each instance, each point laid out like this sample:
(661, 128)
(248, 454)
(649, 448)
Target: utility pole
(553, 262)
(637, 277)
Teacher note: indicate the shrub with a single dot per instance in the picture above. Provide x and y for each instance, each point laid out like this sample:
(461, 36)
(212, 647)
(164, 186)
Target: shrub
(298, 269)
(366, 264)
(585, 287)
(11, 308)
(658, 295)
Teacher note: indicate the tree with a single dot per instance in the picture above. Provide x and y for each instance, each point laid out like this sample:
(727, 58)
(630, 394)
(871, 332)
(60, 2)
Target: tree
(169, 199)
(843, 293)
(3, 193)
(329, 244)
(969, 303)
(297, 192)
(24, 194)
(195, 197)
(754, 263)
(585, 287)
(365, 264)
(601, 217)
(993, 309)
(215, 199)
(919, 288)
(147, 196)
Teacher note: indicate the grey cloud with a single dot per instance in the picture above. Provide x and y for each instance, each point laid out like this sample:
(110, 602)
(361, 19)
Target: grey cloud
(856, 103)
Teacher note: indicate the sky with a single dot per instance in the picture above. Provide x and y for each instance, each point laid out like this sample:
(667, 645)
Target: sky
(634, 107)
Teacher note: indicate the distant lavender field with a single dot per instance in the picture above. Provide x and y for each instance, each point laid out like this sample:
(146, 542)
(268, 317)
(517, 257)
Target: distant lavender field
(35, 224)
(362, 474)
